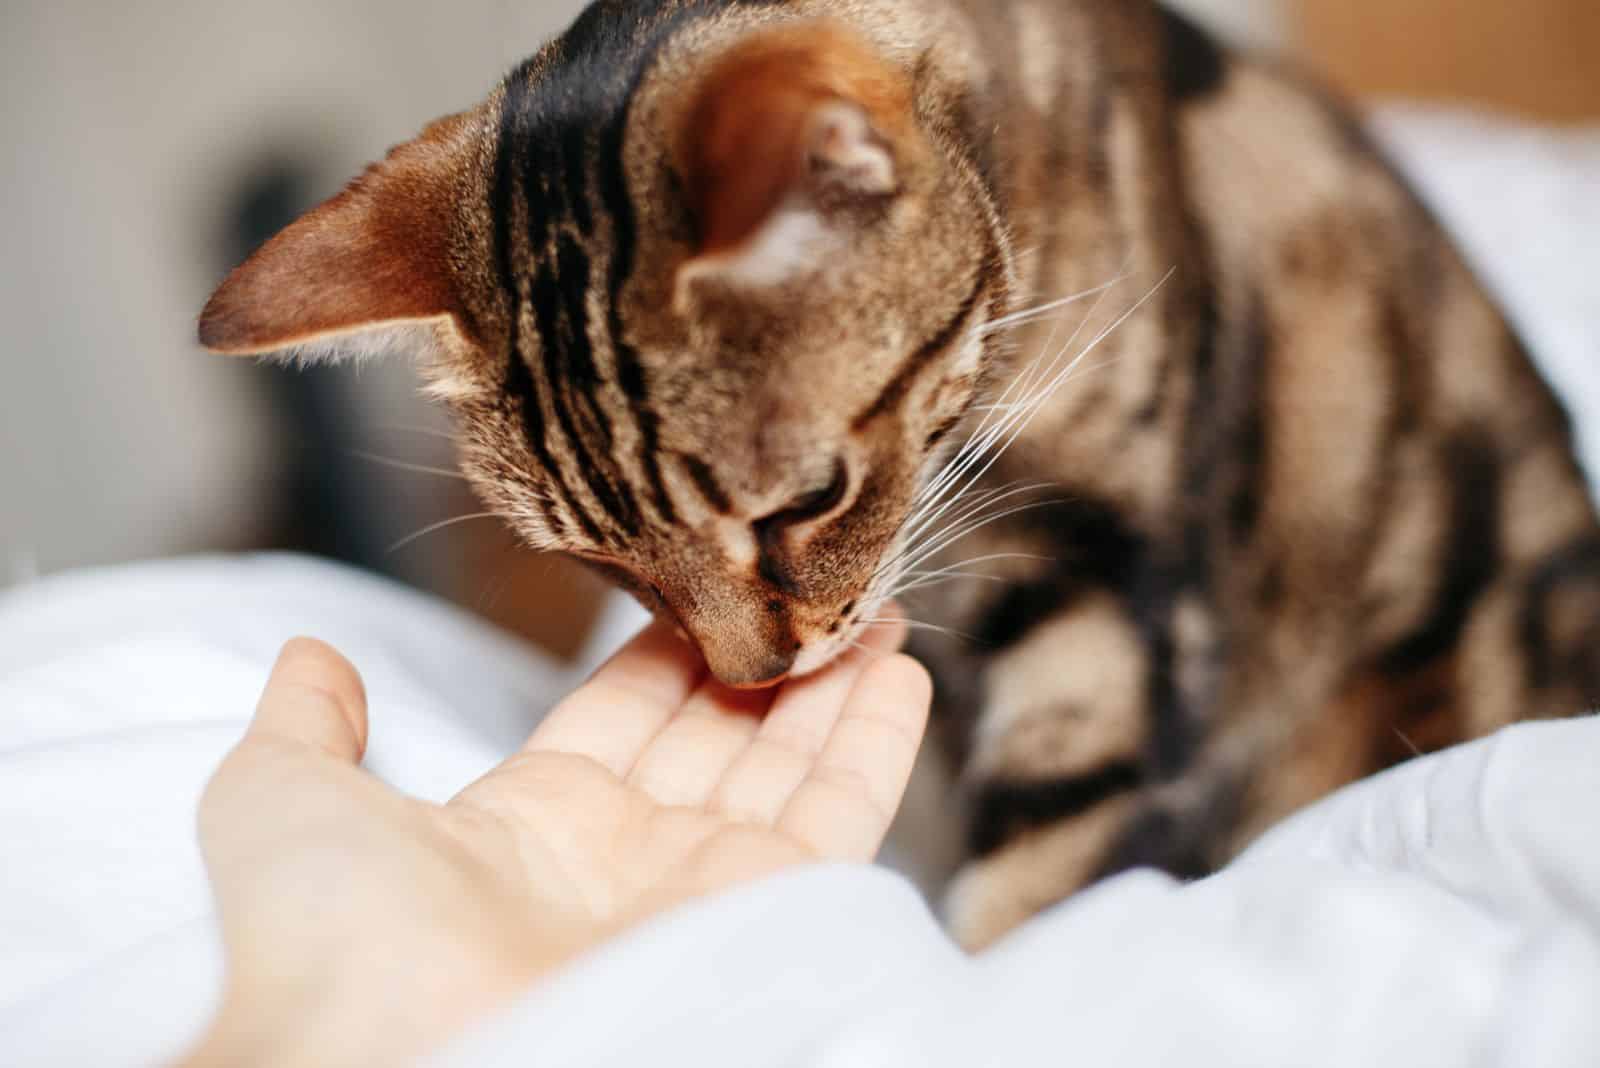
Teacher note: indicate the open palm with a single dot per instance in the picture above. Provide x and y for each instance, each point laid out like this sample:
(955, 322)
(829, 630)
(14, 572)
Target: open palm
(649, 786)
(654, 781)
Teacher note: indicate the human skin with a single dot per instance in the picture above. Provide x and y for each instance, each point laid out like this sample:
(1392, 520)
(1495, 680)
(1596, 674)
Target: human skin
(362, 926)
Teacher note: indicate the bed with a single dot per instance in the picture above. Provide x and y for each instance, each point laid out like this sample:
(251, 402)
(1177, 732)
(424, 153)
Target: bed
(1464, 889)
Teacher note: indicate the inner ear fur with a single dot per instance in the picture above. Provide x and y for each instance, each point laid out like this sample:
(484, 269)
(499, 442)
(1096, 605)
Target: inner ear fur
(792, 116)
(374, 258)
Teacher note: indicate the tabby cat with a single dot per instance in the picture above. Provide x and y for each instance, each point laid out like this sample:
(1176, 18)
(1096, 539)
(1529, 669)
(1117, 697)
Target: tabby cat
(771, 309)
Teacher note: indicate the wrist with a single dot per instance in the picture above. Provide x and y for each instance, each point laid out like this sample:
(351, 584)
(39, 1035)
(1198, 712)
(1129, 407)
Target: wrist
(362, 1011)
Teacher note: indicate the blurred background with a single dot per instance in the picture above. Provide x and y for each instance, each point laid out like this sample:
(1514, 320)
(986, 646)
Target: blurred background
(150, 146)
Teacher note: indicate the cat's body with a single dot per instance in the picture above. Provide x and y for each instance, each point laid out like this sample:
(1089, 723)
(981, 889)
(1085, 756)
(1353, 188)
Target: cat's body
(720, 289)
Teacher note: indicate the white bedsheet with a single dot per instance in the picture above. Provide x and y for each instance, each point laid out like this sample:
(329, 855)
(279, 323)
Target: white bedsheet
(1448, 913)
(120, 690)
(1443, 915)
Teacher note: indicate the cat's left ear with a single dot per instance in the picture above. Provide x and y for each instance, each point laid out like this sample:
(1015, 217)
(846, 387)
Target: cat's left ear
(788, 133)
(370, 269)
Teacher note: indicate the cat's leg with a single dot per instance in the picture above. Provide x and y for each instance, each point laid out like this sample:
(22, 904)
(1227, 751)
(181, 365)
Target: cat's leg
(1054, 767)
(1508, 631)
(1532, 646)
(1532, 649)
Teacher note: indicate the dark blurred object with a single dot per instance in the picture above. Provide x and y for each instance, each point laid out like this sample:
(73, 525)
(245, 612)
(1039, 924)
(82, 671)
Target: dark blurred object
(1535, 58)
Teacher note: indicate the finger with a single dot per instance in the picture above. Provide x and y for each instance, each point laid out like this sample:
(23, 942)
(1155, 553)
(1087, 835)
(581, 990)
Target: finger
(314, 698)
(762, 779)
(845, 805)
(684, 763)
(613, 716)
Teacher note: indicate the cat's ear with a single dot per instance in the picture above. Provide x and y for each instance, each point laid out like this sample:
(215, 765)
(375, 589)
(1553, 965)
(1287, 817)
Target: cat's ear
(786, 134)
(368, 270)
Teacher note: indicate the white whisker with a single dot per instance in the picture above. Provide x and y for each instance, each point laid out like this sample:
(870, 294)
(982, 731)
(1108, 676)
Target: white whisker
(402, 465)
(987, 499)
(915, 624)
(1041, 380)
(436, 527)
(406, 429)
(1039, 311)
(956, 570)
(975, 526)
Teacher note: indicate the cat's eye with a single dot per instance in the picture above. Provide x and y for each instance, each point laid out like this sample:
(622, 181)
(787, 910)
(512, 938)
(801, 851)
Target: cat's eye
(803, 509)
(813, 505)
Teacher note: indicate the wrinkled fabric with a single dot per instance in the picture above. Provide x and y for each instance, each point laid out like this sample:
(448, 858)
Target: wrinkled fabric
(1446, 914)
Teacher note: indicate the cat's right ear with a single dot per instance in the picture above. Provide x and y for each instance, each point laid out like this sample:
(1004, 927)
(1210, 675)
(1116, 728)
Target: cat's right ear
(785, 133)
(368, 270)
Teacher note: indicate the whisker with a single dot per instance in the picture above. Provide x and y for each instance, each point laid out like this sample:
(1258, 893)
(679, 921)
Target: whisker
(922, 585)
(955, 571)
(916, 624)
(406, 429)
(983, 438)
(1026, 378)
(1025, 417)
(916, 540)
(967, 509)
(1006, 322)
(436, 527)
(402, 465)
(977, 525)
(1415, 749)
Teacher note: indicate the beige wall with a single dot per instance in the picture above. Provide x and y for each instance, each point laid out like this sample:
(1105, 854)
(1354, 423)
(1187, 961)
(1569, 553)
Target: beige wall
(1538, 58)
(1257, 23)
(124, 125)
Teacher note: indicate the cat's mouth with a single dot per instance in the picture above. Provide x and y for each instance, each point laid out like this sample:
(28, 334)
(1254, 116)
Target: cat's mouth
(749, 656)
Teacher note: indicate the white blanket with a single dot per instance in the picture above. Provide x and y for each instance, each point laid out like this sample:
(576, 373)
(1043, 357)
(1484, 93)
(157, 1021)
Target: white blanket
(1448, 913)
(119, 692)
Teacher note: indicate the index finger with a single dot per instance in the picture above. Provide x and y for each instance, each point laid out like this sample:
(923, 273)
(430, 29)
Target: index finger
(613, 716)
(843, 809)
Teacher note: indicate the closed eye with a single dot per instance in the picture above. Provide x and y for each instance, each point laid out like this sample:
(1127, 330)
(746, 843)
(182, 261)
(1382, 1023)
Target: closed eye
(814, 505)
(807, 508)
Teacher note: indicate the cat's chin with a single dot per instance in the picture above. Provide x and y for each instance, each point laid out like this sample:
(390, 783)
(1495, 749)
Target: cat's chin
(816, 658)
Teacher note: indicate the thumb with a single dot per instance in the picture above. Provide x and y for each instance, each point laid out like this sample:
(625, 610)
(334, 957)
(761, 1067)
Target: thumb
(313, 698)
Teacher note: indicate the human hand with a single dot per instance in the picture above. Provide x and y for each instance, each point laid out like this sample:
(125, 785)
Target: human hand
(365, 927)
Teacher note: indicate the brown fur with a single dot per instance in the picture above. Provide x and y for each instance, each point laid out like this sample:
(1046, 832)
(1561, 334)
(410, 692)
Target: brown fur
(374, 255)
(1304, 508)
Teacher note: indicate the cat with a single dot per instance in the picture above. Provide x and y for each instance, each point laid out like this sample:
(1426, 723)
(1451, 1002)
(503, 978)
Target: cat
(772, 309)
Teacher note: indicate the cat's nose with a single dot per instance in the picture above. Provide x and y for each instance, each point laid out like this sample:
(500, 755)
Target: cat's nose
(758, 672)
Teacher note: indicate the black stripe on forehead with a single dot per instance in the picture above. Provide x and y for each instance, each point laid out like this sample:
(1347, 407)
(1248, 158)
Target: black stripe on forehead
(706, 482)
(519, 377)
(559, 297)
(588, 78)
(564, 118)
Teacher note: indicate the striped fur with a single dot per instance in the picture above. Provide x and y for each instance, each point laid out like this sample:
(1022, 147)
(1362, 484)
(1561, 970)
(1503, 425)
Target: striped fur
(771, 308)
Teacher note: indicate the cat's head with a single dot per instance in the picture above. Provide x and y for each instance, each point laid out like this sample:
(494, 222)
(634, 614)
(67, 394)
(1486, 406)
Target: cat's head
(708, 303)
